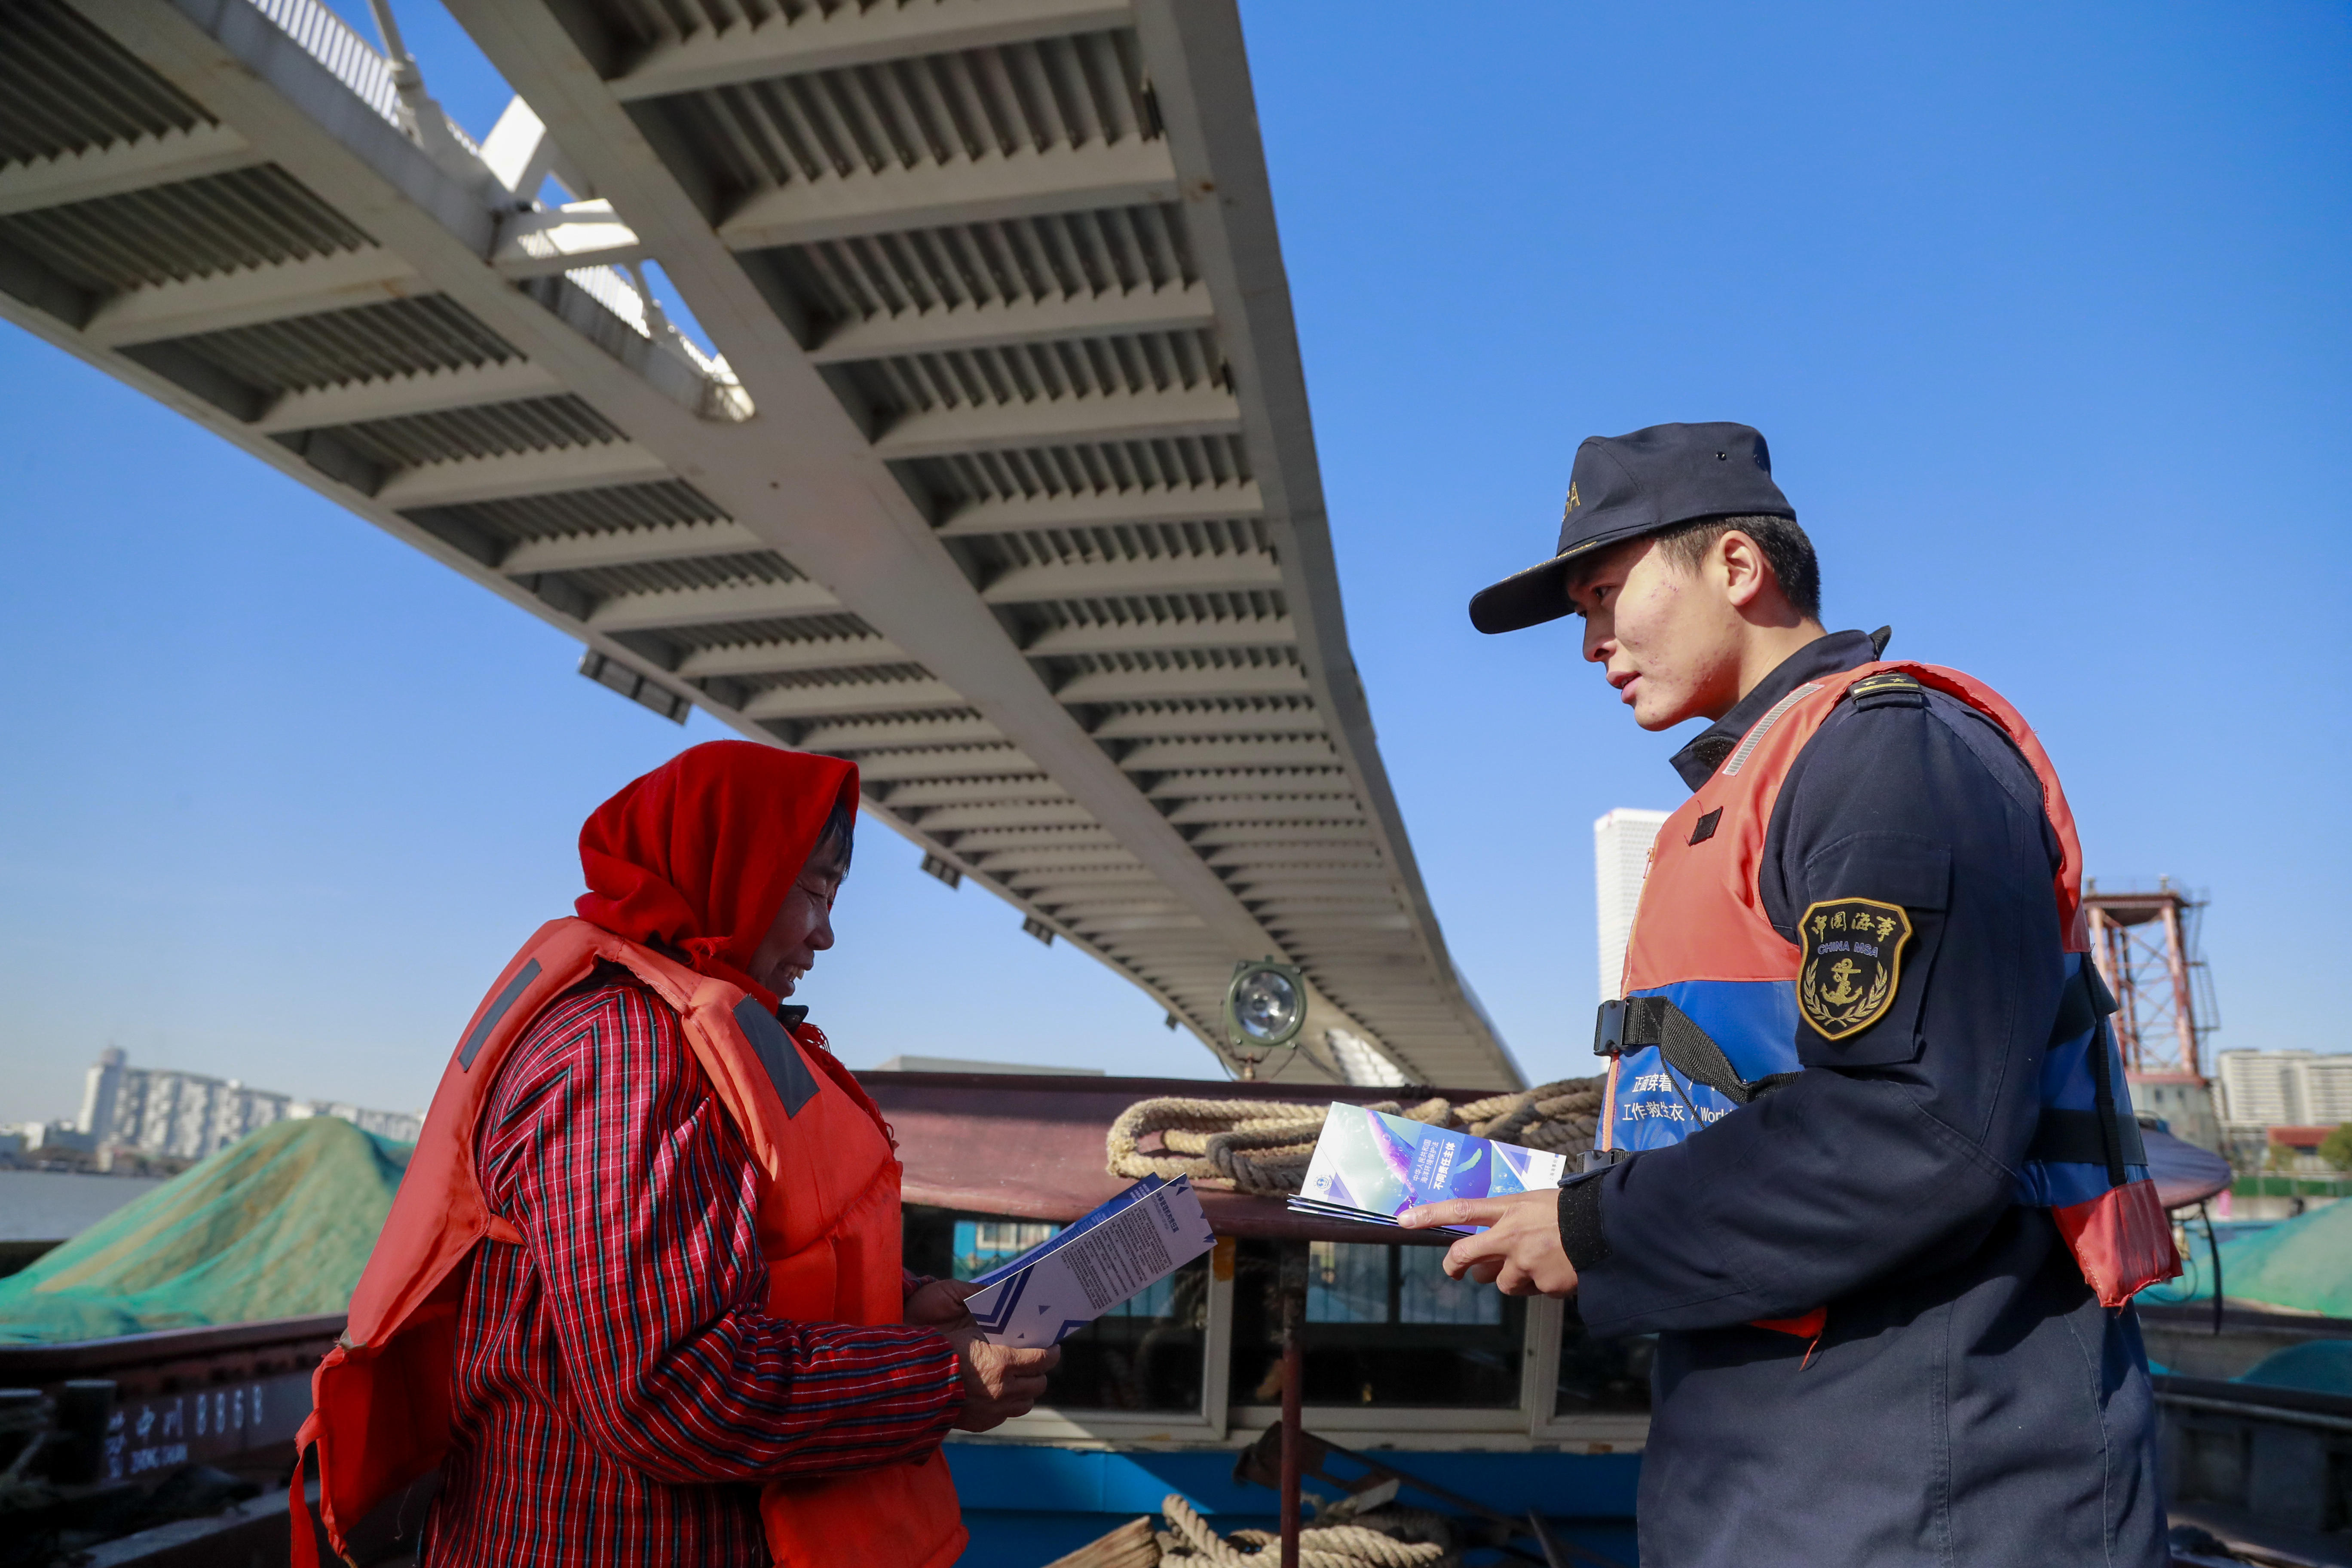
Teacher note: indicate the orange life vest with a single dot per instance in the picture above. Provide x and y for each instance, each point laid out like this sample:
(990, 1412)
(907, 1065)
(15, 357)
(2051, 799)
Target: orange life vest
(1710, 1010)
(827, 1222)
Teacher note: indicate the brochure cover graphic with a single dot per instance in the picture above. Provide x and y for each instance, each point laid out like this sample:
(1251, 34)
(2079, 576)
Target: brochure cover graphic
(1129, 1244)
(1376, 1166)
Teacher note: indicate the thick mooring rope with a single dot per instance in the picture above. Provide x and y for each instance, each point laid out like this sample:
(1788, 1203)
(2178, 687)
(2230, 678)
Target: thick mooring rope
(1365, 1543)
(1262, 1146)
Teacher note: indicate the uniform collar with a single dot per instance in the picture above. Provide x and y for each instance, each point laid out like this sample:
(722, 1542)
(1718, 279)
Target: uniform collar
(1826, 655)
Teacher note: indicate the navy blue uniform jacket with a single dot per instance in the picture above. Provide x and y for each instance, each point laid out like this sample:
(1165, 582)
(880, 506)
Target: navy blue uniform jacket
(1969, 1402)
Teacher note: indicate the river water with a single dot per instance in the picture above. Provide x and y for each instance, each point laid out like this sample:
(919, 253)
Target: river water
(49, 1206)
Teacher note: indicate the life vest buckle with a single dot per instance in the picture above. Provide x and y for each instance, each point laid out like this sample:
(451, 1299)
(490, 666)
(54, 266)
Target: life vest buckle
(1609, 1030)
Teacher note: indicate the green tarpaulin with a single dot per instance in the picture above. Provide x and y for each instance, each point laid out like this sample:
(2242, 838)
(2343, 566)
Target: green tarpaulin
(2304, 1265)
(278, 1225)
(2322, 1366)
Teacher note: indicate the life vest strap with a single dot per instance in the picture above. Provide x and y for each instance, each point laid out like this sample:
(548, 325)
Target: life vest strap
(1642, 1021)
(2079, 1138)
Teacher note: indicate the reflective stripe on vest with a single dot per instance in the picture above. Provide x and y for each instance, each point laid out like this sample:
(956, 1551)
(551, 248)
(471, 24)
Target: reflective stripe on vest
(828, 1220)
(1704, 950)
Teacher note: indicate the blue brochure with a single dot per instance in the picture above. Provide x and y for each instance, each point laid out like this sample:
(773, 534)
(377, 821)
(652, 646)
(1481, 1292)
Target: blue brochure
(1110, 1256)
(1071, 1231)
(1369, 1165)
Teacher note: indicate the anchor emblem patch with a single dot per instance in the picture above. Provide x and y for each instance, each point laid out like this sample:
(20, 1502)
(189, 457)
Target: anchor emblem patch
(1853, 964)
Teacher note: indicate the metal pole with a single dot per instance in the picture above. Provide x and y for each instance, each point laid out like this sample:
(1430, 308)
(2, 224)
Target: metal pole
(1294, 1379)
(2213, 1245)
(2184, 1006)
(387, 26)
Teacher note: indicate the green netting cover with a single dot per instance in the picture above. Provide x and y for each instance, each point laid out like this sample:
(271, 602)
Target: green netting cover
(2322, 1366)
(278, 1225)
(2304, 1265)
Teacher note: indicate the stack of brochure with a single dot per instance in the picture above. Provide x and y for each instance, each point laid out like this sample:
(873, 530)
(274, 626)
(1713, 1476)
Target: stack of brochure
(1122, 1250)
(1371, 1166)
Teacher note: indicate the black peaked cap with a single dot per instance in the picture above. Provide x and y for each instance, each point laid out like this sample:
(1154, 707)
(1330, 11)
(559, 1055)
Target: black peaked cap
(1623, 487)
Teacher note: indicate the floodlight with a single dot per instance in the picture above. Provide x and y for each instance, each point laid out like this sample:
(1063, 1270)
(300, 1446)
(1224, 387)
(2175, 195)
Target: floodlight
(1265, 1007)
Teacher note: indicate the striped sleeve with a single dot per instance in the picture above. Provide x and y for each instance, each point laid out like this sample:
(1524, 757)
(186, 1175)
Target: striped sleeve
(636, 1197)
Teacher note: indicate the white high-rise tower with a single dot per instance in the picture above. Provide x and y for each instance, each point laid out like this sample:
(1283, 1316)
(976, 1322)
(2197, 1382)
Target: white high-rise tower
(1621, 853)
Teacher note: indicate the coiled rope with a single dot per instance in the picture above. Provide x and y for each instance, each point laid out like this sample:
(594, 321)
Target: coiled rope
(1262, 1146)
(1365, 1541)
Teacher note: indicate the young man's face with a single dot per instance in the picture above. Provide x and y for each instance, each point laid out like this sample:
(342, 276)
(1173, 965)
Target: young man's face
(1667, 637)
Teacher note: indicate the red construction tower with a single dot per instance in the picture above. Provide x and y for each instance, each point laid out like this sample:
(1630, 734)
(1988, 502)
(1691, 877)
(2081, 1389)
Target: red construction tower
(2145, 944)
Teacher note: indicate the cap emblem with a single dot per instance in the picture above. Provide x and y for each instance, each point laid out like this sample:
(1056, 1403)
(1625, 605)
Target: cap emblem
(1572, 503)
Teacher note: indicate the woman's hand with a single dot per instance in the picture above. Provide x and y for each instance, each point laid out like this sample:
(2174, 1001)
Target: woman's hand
(941, 1302)
(1520, 1255)
(999, 1382)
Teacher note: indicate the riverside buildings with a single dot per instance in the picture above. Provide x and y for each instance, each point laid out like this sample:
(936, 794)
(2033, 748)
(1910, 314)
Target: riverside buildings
(2273, 1088)
(158, 1112)
(2277, 1107)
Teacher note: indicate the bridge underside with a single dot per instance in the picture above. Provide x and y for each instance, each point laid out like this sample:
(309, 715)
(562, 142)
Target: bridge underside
(1001, 481)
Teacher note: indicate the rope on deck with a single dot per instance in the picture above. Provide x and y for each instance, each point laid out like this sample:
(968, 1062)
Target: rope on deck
(1377, 1539)
(1262, 1146)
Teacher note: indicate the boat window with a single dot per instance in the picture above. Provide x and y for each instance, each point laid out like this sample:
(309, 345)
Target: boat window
(1146, 1354)
(1384, 1327)
(1600, 1376)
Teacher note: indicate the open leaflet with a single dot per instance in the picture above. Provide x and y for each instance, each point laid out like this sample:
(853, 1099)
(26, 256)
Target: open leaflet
(1130, 1243)
(1369, 1166)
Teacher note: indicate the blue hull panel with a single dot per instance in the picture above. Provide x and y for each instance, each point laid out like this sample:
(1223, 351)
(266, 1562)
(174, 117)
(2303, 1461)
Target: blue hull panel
(1026, 1506)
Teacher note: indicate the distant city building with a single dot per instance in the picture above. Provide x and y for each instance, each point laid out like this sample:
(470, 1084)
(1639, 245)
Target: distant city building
(2284, 1088)
(2327, 1089)
(53, 1138)
(2261, 1088)
(400, 1126)
(1621, 854)
(2277, 1106)
(185, 1115)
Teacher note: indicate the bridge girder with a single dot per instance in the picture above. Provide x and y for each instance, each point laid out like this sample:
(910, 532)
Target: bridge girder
(1001, 482)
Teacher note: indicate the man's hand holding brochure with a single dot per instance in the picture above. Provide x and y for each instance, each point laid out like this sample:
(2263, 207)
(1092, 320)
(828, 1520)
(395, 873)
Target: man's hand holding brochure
(1369, 1166)
(1502, 1199)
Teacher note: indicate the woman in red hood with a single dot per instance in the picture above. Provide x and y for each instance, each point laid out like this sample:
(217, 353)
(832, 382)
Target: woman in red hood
(622, 1390)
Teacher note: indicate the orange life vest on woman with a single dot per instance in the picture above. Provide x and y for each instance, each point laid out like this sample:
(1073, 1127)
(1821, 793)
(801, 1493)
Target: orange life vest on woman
(1711, 1005)
(827, 1222)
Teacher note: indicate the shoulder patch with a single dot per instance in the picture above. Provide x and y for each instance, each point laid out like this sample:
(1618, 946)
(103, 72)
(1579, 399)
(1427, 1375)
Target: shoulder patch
(1852, 963)
(1889, 689)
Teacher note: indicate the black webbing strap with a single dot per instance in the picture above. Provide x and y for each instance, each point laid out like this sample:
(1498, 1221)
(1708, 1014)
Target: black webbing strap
(2087, 993)
(2104, 1097)
(2096, 1137)
(1640, 1021)
(2073, 1137)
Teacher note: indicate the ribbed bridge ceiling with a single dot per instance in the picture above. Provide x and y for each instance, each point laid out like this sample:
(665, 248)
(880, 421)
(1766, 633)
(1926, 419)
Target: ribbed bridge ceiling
(1001, 483)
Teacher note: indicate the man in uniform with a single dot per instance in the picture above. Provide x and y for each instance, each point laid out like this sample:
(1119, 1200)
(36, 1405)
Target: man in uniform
(1867, 1167)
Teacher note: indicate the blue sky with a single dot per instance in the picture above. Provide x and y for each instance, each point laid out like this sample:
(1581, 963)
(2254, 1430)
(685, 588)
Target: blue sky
(2043, 312)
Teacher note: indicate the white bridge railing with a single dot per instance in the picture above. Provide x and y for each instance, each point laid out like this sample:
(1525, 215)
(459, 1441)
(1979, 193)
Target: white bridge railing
(331, 42)
(361, 67)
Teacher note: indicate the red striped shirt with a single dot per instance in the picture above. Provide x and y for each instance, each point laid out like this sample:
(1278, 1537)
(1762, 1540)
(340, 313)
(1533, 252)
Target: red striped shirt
(620, 1393)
